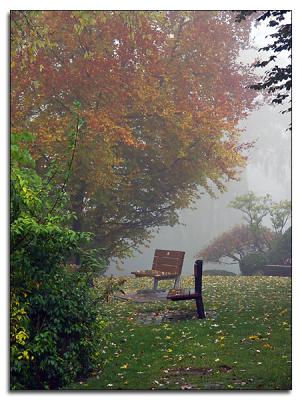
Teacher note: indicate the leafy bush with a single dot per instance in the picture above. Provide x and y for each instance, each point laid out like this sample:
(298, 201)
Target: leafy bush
(54, 324)
(92, 263)
(61, 336)
(19, 333)
(253, 263)
(281, 251)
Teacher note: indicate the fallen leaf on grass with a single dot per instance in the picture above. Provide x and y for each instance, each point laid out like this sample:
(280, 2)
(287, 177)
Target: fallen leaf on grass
(267, 346)
(253, 337)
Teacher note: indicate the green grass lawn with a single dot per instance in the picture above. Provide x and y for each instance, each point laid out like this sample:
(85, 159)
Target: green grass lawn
(244, 344)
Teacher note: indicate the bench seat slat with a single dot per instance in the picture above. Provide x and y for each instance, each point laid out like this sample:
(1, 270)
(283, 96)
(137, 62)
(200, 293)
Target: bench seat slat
(182, 294)
(155, 273)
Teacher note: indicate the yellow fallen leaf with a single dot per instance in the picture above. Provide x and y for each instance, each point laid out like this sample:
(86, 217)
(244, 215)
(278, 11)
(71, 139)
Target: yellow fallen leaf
(267, 346)
(253, 337)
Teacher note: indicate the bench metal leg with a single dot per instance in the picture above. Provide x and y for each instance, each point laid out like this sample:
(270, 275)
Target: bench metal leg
(200, 308)
(155, 284)
(177, 282)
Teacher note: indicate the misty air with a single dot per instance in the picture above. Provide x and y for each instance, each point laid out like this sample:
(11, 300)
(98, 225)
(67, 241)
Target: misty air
(150, 200)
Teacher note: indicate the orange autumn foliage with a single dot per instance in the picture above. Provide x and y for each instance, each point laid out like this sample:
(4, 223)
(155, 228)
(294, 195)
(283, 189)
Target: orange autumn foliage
(153, 100)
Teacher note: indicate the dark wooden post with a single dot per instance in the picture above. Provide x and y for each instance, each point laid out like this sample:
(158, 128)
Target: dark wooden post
(198, 288)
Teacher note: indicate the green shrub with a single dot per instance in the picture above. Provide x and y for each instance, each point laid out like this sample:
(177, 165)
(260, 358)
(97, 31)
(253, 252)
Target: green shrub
(253, 263)
(54, 327)
(19, 333)
(281, 251)
(63, 330)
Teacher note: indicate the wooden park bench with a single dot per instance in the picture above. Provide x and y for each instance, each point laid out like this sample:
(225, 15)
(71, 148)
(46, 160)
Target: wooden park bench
(187, 294)
(167, 264)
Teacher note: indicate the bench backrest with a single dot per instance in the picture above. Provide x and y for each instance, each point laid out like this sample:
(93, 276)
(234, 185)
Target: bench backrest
(168, 261)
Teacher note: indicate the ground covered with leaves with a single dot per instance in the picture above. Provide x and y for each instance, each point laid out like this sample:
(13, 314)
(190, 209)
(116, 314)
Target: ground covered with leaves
(244, 343)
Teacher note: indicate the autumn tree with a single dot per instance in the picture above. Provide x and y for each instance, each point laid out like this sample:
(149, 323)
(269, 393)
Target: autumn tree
(133, 112)
(232, 246)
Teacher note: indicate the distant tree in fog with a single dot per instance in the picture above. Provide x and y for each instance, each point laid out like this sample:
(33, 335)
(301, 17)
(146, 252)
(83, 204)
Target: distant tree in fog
(241, 240)
(256, 208)
(235, 244)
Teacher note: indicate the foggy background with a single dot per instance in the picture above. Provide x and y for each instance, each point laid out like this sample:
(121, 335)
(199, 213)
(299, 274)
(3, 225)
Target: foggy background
(268, 171)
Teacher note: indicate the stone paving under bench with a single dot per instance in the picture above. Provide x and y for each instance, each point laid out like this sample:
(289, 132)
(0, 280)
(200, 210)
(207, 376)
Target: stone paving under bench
(149, 296)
